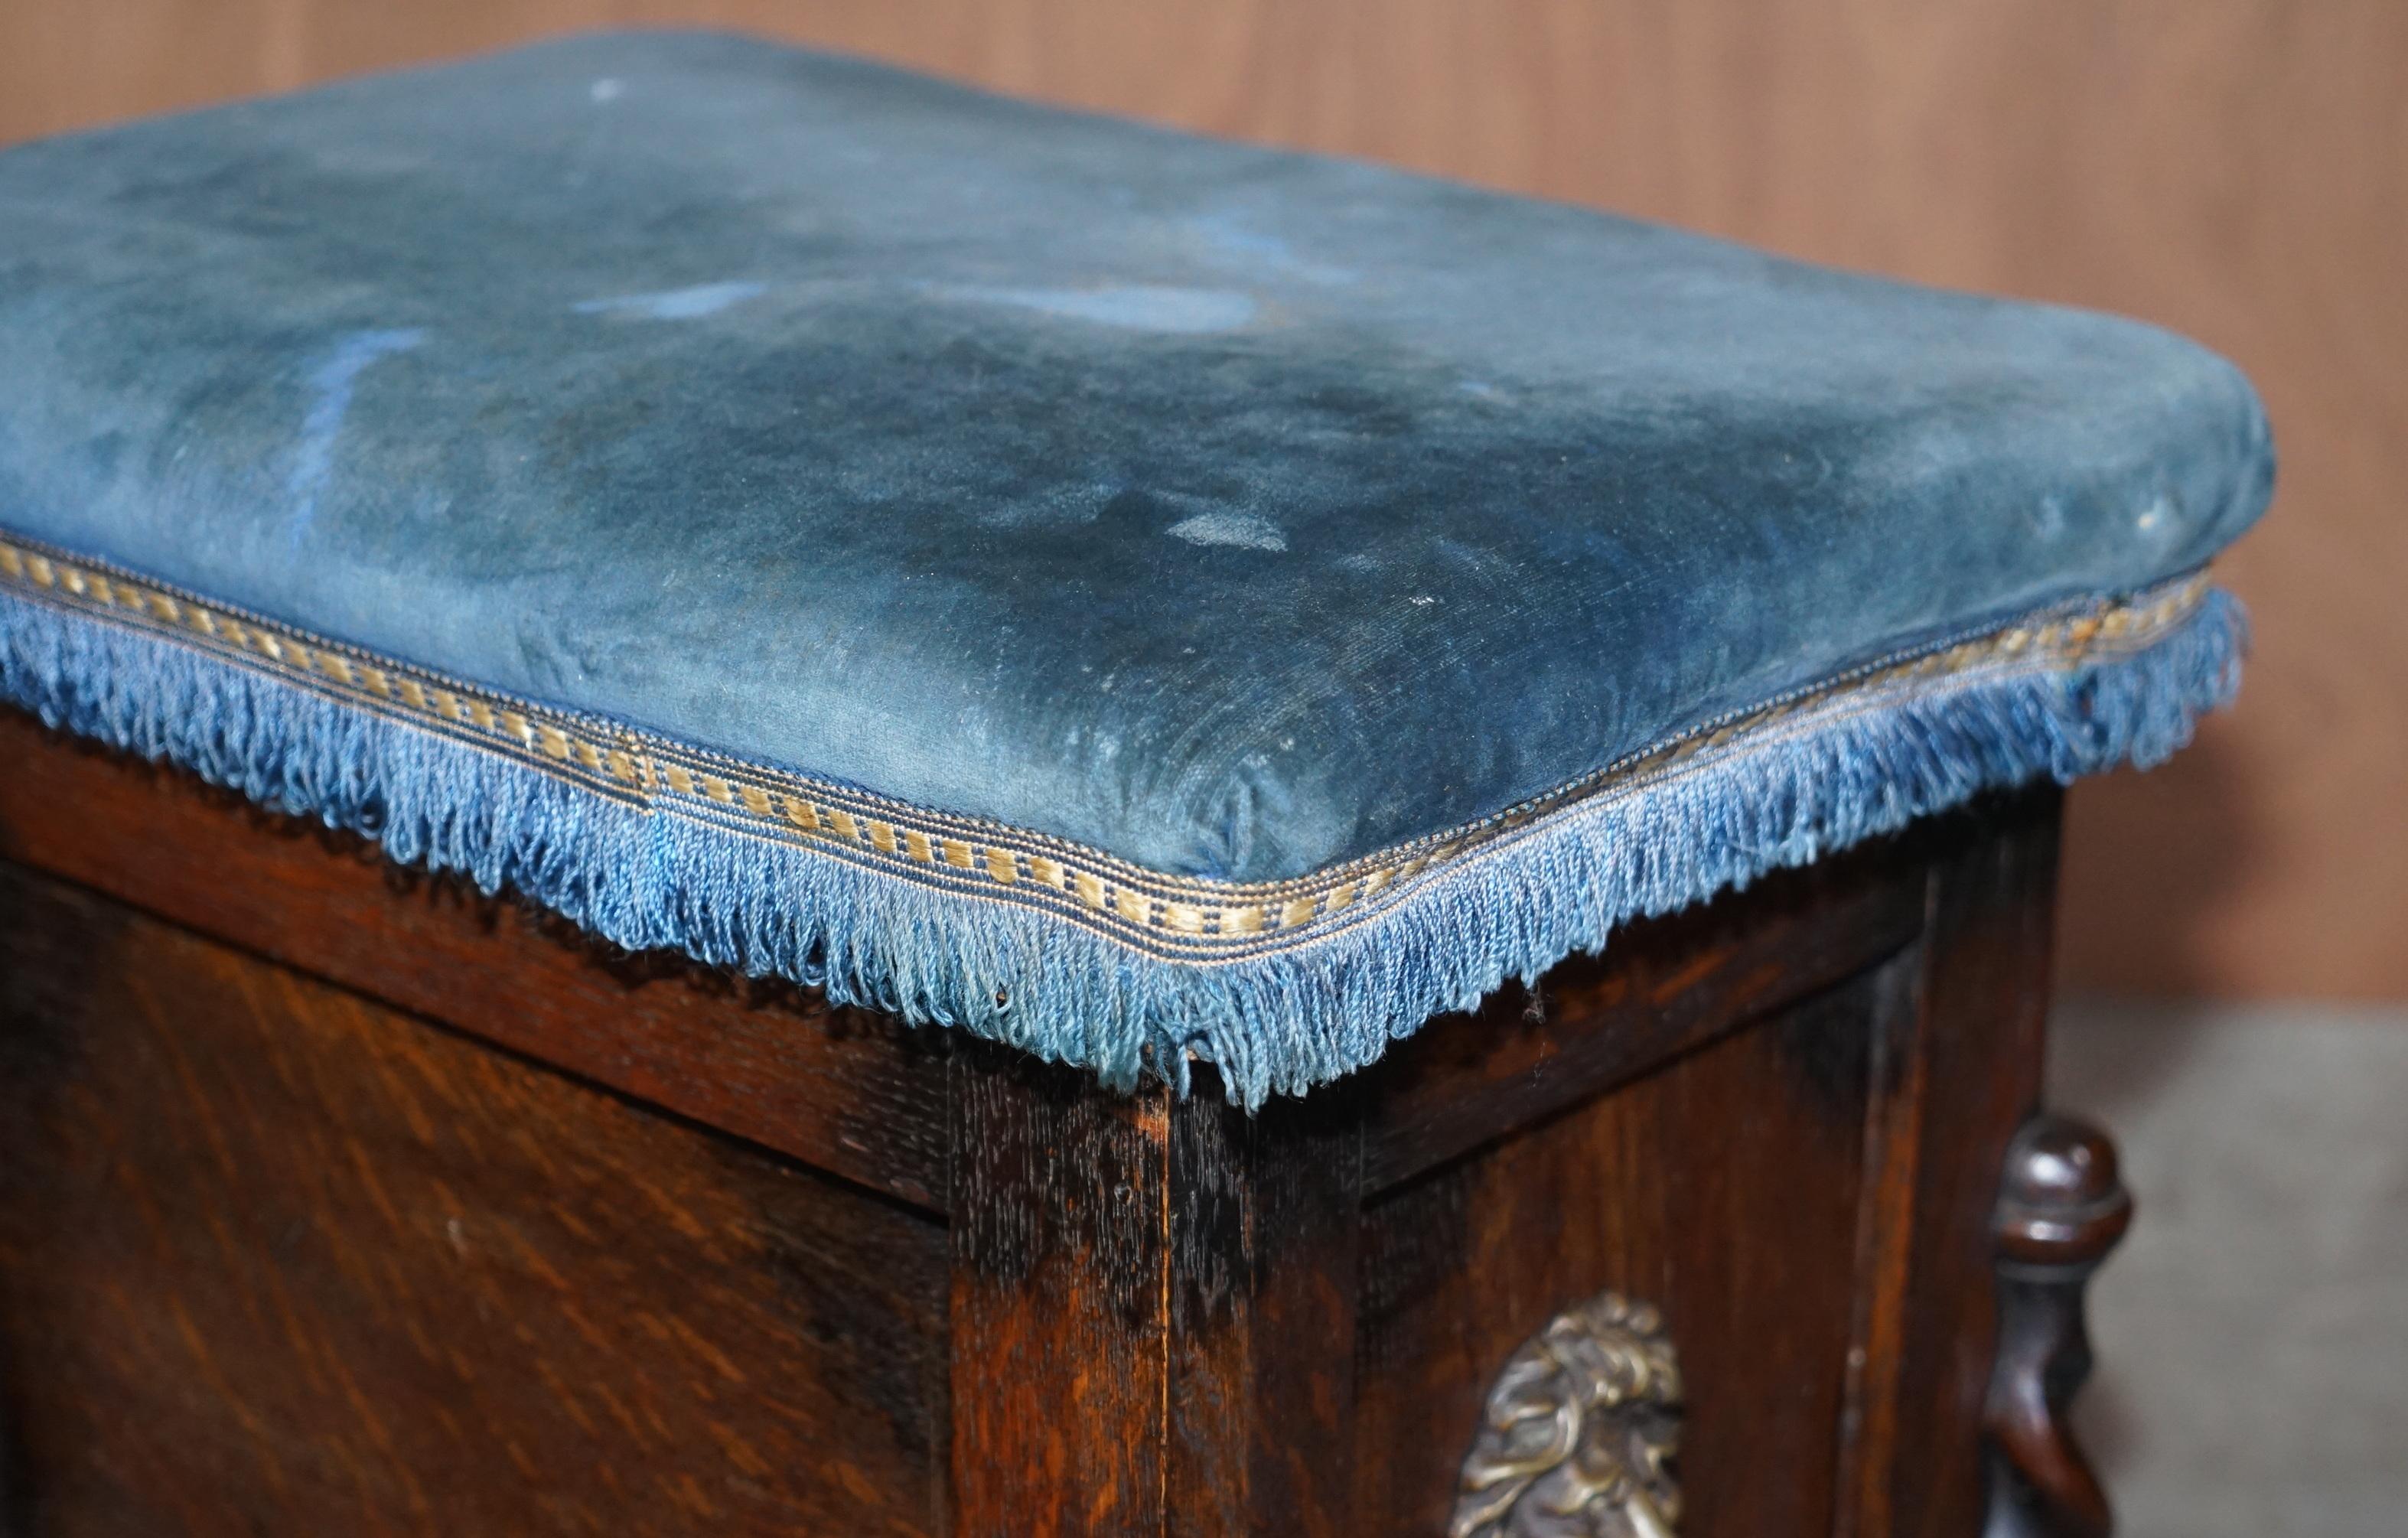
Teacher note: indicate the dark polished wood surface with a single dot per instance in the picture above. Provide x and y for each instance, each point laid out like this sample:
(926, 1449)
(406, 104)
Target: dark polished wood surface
(334, 1197)
(2061, 1209)
(1740, 1228)
(841, 1089)
(274, 1258)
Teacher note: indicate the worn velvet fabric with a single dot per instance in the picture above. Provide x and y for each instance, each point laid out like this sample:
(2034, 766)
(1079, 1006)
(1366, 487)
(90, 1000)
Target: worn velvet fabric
(1231, 512)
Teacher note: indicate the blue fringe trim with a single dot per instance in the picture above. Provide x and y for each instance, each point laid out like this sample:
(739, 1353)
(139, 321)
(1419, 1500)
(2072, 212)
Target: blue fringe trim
(1276, 1022)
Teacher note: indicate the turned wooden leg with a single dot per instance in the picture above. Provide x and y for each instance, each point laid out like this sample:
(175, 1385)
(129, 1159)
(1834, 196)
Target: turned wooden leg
(2061, 1207)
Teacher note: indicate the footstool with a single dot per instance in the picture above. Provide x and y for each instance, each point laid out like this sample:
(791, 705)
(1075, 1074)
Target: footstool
(751, 794)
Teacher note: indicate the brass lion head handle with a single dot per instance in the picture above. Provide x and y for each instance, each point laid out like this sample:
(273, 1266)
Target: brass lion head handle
(1579, 1433)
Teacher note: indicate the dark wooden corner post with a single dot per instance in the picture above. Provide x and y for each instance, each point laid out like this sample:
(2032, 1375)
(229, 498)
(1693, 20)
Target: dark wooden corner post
(2015, 1209)
(1153, 1308)
(1985, 1280)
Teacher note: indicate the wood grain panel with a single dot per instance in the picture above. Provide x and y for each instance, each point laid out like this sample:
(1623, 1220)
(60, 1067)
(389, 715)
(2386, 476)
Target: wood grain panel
(2235, 168)
(1665, 986)
(847, 1090)
(1152, 1309)
(1266, 1222)
(1742, 1228)
(276, 1261)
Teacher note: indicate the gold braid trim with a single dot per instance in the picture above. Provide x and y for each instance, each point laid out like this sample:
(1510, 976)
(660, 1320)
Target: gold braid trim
(1185, 917)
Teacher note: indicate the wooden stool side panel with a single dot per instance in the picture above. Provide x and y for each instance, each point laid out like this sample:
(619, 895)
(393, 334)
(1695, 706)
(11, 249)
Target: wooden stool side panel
(1780, 1116)
(1723, 1190)
(1804, 1190)
(276, 1260)
(848, 1091)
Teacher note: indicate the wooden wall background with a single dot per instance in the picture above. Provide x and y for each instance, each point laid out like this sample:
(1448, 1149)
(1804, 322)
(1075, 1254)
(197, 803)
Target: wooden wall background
(2234, 169)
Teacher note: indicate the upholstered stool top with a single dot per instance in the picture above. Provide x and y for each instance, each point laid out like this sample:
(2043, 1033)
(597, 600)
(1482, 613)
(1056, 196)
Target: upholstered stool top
(1137, 596)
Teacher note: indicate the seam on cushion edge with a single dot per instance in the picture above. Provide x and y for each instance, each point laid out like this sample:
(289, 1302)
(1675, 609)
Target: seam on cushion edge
(1148, 909)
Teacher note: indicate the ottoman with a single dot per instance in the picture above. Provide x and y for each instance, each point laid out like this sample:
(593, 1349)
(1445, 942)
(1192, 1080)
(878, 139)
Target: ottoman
(745, 793)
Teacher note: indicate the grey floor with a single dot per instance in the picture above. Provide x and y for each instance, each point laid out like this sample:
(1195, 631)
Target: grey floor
(2252, 1331)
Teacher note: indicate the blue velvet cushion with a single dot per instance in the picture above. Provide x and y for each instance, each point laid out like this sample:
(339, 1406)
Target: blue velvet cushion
(1135, 595)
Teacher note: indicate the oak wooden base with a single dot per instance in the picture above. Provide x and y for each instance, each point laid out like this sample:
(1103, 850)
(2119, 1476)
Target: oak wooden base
(335, 1199)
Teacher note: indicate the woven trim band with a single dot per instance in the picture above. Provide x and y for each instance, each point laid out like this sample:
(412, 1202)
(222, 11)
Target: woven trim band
(1171, 917)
